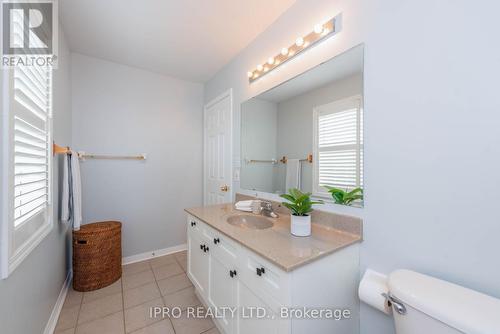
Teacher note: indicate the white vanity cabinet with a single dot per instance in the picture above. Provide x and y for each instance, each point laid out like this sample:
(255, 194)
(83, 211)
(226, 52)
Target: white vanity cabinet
(227, 274)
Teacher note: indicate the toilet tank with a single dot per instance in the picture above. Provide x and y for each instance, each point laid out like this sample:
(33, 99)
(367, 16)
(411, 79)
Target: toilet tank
(439, 307)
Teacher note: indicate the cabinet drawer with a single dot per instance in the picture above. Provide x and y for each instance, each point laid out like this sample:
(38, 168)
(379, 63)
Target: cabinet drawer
(264, 278)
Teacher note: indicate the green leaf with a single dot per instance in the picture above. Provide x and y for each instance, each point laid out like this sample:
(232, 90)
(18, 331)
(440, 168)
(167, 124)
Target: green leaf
(288, 197)
(300, 203)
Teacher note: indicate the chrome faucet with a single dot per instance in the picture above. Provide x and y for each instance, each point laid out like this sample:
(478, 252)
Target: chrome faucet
(266, 209)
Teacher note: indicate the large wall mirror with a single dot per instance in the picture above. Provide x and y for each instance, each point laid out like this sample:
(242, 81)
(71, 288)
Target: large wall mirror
(307, 133)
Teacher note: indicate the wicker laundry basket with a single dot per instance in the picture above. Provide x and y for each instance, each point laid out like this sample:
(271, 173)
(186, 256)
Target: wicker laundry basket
(97, 255)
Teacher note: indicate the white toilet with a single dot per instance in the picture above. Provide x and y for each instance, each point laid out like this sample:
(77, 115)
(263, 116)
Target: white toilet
(426, 305)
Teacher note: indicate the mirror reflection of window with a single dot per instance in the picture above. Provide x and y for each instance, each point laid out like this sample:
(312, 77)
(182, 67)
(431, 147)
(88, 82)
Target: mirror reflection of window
(338, 146)
(318, 113)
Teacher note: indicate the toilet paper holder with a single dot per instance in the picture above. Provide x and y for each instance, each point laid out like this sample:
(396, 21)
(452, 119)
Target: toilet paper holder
(398, 304)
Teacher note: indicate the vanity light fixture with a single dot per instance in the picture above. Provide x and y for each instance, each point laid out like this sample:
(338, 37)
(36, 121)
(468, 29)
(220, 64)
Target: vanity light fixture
(320, 32)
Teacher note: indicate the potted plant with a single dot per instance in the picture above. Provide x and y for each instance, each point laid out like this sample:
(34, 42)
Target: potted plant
(345, 197)
(300, 205)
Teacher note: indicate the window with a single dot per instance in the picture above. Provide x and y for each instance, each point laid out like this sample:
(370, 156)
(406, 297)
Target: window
(26, 153)
(338, 145)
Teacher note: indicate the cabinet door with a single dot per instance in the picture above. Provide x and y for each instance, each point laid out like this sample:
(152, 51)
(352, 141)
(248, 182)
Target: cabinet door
(248, 323)
(198, 262)
(223, 290)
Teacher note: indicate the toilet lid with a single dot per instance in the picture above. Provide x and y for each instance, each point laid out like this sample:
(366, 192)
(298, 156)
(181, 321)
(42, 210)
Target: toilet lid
(464, 309)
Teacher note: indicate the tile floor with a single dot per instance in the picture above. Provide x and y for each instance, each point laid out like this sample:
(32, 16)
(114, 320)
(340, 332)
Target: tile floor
(123, 307)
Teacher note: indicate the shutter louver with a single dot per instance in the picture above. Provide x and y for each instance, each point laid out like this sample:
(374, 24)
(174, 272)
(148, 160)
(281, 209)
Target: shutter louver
(31, 142)
(339, 145)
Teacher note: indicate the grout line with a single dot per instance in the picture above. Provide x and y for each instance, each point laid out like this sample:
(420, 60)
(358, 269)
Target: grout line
(179, 263)
(79, 309)
(104, 296)
(101, 315)
(210, 329)
(122, 291)
(163, 298)
(123, 306)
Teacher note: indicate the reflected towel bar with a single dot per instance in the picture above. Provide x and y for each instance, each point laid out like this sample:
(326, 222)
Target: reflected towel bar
(283, 160)
(308, 159)
(273, 161)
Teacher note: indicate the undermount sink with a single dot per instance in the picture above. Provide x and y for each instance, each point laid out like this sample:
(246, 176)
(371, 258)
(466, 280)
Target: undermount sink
(250, 222)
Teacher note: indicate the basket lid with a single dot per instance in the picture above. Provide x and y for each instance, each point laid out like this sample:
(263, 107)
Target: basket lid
(99, 227)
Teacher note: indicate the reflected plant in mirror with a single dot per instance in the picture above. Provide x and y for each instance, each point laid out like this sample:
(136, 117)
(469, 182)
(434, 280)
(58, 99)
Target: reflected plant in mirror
(318, 113)
(345, 197)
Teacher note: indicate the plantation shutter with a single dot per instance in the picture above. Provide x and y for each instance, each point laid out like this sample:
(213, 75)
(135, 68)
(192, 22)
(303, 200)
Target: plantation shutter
(30, 126)
(339, 145)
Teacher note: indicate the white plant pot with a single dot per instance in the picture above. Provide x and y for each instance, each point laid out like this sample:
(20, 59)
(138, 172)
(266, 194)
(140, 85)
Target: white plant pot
(301, 225)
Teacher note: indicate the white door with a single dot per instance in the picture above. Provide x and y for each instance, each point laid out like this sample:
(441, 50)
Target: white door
(217, 150)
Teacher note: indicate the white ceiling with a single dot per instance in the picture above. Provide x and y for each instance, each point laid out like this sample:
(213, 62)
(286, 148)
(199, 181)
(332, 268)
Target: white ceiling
(187, 39)
(337, 68)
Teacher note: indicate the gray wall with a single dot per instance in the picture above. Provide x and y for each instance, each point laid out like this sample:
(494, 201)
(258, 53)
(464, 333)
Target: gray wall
(123, 110)
(28, 295)
(295, 124)
(431, 130)
(258, 141)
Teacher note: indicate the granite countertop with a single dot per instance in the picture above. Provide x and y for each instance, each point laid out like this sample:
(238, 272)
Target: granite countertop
(277, 244)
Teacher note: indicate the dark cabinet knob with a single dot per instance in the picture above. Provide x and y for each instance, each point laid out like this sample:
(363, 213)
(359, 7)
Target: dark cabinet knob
(201, 247)
(193, 223)
(232, 273)
(216, 240)
(261, 271)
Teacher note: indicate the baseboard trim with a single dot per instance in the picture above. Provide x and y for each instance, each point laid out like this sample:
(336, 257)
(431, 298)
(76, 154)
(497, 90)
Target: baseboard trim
(153, 254)
(54, 316)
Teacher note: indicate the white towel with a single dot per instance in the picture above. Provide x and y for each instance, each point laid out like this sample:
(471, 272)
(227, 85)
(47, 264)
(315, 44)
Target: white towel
(247, 203)
(244, 205)
(292, 179)
(76, 191)
(65, 196)
(71, 198)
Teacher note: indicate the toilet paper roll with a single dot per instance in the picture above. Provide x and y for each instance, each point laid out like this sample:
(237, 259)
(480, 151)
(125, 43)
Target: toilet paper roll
(371, 288)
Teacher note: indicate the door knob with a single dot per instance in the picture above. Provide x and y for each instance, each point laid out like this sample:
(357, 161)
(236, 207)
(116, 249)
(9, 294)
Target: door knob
(224, 188)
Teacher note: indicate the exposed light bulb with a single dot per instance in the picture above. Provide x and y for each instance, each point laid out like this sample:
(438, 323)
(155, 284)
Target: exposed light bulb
(270, 61)
(326, 31)
(284, 51)
(318, 28)
(277, 62)
(250, 74)
(299, 41)
(266, 69)
(259, 67)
